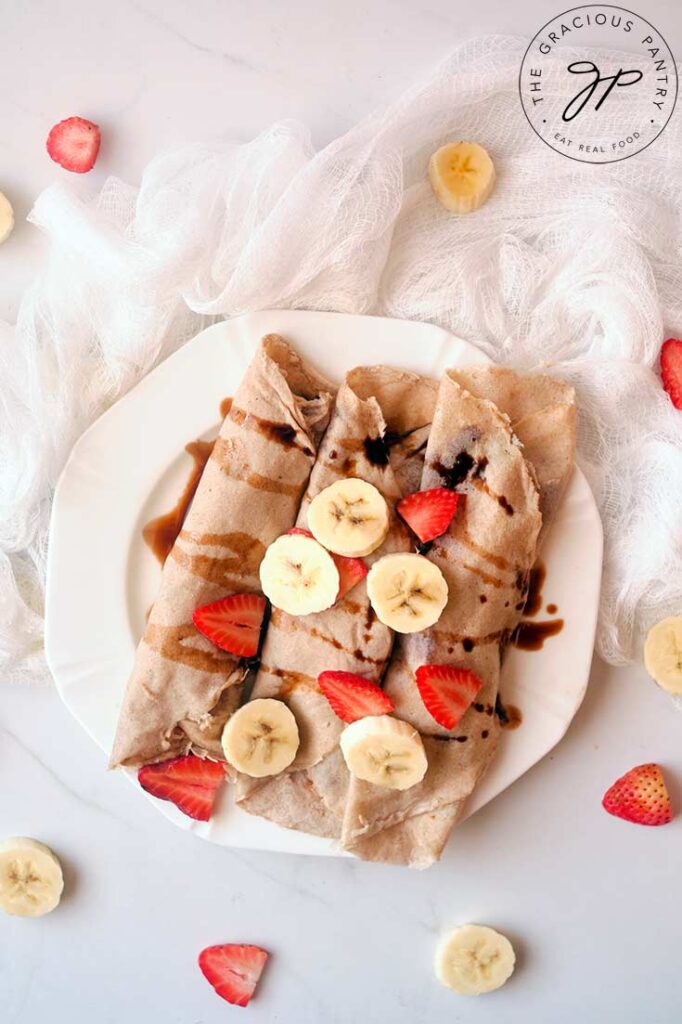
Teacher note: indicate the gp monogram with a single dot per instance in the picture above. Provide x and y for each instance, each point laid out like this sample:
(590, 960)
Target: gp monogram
(598, 83)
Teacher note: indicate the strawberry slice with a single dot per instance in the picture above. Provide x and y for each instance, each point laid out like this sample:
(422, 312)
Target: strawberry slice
(191, 783)
(233, 970)
(429, 513)
(351, 570)
(640, 796)
(74, 144)
(233, 623)
(671, 370)
(352, 697)
(447, 692)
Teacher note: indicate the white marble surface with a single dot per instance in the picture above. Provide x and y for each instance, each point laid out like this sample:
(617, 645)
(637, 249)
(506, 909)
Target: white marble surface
(591, 903)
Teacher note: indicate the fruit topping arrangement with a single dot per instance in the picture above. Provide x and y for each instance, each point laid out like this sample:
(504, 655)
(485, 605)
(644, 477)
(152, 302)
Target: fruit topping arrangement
(307, 571)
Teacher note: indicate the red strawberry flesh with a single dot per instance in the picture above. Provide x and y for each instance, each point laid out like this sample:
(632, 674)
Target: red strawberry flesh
(233, 970)
(640, 796)
(447, 692)
(74, 144)
(671, 370)
(429, 513)
(233, 623)
(352, 697)
(351, 570)
(190, 782)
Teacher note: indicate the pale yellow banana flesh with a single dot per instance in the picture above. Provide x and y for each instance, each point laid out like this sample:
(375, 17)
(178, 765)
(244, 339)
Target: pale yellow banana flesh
(298, 575)
(350, 517)
(462, 176)
(474, 959)
(31, 880)
(6, 218)
(407, 592)
(663, 654)
(261, 738)
(384, 751)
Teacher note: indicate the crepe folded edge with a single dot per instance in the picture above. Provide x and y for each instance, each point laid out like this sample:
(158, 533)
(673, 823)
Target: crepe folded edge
(149, 730)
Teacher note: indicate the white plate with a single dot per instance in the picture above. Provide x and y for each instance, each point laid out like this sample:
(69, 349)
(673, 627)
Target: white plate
(130, 466)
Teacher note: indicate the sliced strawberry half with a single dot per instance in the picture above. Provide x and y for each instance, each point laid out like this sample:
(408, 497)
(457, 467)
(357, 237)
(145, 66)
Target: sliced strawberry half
(74, 144)
(447, 692)
(429, 513)
(352, 697)
(191, 783)
(233, 970)
(640, 796)
(671, 370)
(233, 623)
(351, 570)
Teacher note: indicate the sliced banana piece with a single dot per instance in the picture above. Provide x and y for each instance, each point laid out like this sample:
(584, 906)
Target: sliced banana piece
(663, 653)
(349, 518)
(6, 218)
(31, 880)
(385, 751)
(261, 738)
(474, 959)
(407, 592)
(462, 175)
(298, 575)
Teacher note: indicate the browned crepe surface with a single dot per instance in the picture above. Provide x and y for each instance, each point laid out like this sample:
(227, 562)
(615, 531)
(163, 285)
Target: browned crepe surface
(486, 557)
(182, 688)
(377, 433)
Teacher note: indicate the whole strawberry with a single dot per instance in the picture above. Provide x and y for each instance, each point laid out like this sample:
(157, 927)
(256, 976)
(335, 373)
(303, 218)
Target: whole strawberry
(640, 796)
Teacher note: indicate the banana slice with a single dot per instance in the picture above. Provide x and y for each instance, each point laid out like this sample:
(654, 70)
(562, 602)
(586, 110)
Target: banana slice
(298, 575)
(6, 218)
(349, 518)
(407, 592)
(31, 880)
(474, 959)
(663, 653)
(261, 738)
(462, 175)
(385, 751)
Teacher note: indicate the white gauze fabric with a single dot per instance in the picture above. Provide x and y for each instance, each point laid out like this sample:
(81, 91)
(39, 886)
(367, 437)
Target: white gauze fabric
(569, 267)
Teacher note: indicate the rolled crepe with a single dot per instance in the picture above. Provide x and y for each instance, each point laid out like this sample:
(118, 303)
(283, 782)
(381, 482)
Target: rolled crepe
(182, 688)
(378, 433)
(542, 414)
(486, 558)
